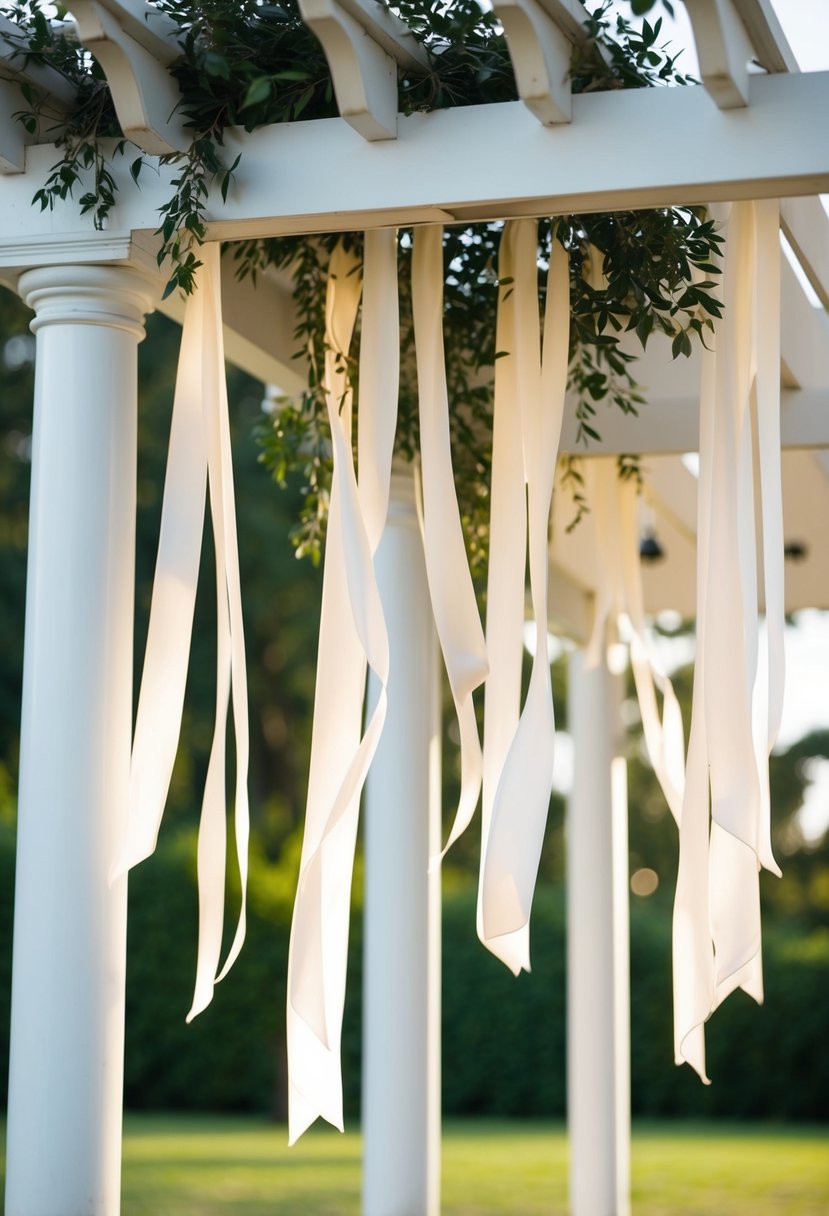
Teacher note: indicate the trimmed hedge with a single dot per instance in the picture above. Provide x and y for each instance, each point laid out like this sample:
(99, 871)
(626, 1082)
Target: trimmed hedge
(503, 1039)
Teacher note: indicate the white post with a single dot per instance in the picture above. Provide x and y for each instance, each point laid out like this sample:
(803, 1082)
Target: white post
(401, 979)
(598, 981)
(67, 1027)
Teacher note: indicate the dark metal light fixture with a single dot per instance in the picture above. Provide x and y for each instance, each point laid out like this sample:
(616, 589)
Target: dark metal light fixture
(650, 550)
(795, 551)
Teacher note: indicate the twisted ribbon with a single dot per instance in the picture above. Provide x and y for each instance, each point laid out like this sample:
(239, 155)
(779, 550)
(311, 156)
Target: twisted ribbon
(519, 763)
(352, 634)
(613, 506)
(737, 698)
(451, 590)
(199, 454)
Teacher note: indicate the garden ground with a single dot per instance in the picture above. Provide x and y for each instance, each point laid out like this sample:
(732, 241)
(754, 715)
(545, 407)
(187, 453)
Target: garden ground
(212, 1166)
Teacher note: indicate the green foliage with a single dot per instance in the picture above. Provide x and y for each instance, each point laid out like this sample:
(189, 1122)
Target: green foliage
(633, 272)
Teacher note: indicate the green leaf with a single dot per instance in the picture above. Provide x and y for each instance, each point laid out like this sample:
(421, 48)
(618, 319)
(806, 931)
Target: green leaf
(258, 90)
(216, 65)
(293, 74)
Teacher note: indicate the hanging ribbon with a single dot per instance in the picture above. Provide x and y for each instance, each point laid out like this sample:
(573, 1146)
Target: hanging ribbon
(199, 453)
(614, 509)
(352, 633)
(736, 701)
(450, 583)
(512, 848)
(505, 594)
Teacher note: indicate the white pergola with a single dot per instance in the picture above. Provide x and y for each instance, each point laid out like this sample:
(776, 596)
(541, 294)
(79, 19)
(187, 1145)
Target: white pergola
(756, 134)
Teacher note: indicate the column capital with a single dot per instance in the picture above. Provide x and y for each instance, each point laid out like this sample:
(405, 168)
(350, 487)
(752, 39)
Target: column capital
(114, 296)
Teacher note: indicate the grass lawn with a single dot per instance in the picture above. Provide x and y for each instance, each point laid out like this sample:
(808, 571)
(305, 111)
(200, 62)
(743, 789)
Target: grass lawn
(187, 1166)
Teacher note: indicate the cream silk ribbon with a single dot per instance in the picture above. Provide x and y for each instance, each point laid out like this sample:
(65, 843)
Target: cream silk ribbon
(519, 765)
(352, 634)
(451, 590)
(199, 454)
(737, 700)
(614, 509)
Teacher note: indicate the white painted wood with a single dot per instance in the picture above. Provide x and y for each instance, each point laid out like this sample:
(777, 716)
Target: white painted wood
(763, 27)
(569, 17)
(806, 225)
(621, 150)
(598, 1078)
(363, 44)
(393, 35)
(804, 336)
(12, 134)
(620, 868)
(67, 1022)
(671, 425)
(724, 50)
(540, 55)
(134, 55)
(363, 74)
(401, 969)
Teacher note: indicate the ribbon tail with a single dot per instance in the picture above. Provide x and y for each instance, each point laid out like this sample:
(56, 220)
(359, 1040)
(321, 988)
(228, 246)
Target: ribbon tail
(450, 582)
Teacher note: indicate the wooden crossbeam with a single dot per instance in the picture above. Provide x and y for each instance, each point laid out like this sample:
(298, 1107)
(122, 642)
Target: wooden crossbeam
(629, 148)
(363, 44)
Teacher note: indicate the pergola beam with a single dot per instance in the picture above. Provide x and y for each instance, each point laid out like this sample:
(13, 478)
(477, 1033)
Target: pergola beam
(629, 148)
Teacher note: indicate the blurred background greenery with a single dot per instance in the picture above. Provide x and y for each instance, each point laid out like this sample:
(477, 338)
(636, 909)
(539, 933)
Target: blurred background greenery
(504, 1040)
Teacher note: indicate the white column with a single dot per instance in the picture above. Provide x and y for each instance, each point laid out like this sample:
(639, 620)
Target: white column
(401, 978)
(67, 1027)
(598, 982)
